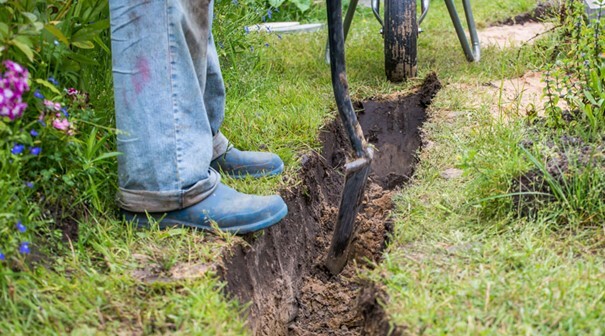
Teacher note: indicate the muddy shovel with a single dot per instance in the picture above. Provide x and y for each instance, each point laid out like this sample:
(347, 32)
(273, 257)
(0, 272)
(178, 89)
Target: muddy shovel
(357, 171)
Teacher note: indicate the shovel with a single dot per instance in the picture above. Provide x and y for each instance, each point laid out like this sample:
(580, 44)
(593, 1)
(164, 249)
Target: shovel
(357, 171)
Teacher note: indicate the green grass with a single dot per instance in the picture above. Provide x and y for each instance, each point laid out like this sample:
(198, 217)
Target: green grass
(456, 264)
(462, 259)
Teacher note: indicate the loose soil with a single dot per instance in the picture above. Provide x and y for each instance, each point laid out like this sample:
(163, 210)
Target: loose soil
(523, 28)
(281, 271)
(565, 158)
(520, 96)
(544, 10)
(508, 36)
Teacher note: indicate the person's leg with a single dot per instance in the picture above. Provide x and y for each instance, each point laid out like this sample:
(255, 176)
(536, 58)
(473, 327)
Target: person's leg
(157, 97)
(227, 159)
(214, 91)
(165, 135)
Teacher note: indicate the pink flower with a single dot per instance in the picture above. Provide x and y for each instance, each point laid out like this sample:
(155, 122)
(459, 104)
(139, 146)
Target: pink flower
(51, 105)
(72, 92)
(61, 124)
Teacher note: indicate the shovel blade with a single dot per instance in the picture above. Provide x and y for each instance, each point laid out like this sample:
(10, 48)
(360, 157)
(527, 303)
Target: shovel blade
(356, 176)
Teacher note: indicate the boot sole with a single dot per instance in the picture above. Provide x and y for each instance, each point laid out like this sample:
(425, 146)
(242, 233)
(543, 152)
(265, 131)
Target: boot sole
(142, 222)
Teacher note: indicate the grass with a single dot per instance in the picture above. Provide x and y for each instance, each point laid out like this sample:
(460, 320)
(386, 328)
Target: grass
(456, 264)
(455, 267)
(463, 260)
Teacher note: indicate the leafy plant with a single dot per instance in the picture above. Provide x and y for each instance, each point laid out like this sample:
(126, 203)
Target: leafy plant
(54, 155)
(578, 75)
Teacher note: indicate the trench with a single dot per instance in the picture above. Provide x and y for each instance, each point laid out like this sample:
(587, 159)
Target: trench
(280, 272)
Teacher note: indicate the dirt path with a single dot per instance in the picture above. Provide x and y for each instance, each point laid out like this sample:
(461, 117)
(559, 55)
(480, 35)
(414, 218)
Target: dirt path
(514, 35)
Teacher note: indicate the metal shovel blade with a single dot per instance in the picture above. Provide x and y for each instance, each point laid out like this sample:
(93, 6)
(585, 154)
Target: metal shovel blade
(356, 175)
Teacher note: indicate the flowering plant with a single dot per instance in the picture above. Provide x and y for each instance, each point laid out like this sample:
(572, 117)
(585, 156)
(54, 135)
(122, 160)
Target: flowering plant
(13, 84)
(51, 149)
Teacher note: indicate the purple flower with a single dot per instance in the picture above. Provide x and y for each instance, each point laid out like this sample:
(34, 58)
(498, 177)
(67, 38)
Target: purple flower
(247, 29)
(24, 248)
(35, 151)
(30, 185)
(53, 81)
(38, 94)
(34, 133)
(264, 18)
(13, 83)
(269, 13)
(17, 149)
(20, 227)
(2, 256)
(64, 111)
(267, 45)
(14, 67)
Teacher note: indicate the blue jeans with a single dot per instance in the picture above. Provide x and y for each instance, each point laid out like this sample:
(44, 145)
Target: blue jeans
(169, 100)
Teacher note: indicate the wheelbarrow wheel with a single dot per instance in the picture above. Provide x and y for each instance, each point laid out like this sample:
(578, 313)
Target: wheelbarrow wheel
(400, 34)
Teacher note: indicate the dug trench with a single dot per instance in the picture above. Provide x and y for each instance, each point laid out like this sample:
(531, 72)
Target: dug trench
(281, 272)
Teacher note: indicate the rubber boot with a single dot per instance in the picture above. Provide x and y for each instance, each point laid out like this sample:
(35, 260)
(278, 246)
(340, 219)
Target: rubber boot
(239, 164)
(232, 211)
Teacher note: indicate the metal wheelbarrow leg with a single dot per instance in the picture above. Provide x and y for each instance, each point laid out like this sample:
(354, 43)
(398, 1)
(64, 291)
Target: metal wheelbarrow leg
(474, 54)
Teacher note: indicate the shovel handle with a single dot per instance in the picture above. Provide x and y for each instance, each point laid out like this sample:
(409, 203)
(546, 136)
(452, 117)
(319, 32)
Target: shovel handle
(339, 78)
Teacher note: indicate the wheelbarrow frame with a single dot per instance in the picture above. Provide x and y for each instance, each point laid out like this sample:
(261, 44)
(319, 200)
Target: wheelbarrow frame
(472, 50)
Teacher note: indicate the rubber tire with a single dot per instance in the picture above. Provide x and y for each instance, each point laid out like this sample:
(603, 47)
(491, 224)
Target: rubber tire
(400, 35)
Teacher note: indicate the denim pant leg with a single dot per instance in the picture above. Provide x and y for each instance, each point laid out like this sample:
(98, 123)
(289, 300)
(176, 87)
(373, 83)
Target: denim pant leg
(159, 66)
(214, 94)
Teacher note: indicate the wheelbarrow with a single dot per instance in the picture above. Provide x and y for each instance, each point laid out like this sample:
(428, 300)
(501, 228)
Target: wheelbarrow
(400, 30)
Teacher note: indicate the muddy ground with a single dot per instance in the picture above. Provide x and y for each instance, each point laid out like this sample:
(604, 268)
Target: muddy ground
(281, 272)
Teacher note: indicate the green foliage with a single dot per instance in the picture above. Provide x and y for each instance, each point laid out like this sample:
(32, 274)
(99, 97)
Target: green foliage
(53, 154)
(48, 35)
(578, 75)
(302, 5)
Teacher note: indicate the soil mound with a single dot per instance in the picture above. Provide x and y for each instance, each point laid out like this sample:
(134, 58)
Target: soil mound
(281, 272)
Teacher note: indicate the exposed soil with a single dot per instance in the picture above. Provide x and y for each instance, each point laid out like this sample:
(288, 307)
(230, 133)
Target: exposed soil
(543, 10)
(513, 35)
(521, 29)
(520, 96)
(566, 156)
(281, 272)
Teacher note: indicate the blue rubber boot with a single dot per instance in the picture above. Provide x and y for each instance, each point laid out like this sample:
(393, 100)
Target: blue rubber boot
(239, 164)
(232, 211)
